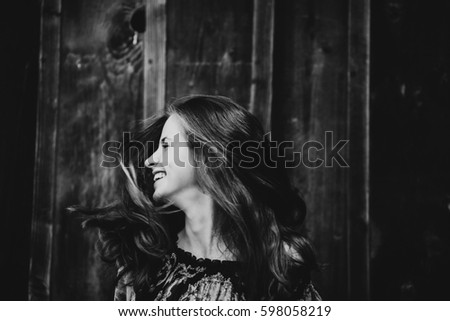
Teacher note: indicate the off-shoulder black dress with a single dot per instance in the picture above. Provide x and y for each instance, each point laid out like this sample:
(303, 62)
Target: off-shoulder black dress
(185, 277)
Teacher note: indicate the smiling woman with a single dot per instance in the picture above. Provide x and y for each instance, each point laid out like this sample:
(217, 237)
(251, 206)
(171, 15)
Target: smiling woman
(172, 164)
(192, 228)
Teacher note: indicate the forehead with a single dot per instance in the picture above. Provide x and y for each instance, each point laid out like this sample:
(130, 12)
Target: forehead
(173, 127)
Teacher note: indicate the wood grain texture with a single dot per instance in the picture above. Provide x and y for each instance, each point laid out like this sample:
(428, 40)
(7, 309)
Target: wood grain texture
(155, 57)
(262, 61)
(104, 64)
(301, 66)
(209, 48)
(310, 98)
(94, 98)
(358, 129)
(42, 231)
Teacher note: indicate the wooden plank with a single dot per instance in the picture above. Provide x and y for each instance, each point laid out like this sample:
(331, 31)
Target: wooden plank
(310, 98)
(262, 67)
(155, 57)
(42, 230)
(100, 95)
(358, 128)
(209, 48)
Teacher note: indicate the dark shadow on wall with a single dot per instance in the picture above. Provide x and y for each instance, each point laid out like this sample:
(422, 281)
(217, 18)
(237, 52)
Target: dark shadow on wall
(19, 34)
(410, 150)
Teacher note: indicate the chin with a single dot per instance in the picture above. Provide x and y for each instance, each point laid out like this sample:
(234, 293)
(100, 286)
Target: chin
(161, 197)
(157, 197)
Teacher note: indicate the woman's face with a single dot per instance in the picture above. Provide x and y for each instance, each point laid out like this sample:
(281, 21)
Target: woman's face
(172, 164)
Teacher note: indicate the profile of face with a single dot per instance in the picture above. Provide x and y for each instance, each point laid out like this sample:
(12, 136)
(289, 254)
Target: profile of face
(172, 164)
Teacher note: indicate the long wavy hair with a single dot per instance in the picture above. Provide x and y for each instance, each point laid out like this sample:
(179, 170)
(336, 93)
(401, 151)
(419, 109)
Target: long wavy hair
(257, 213)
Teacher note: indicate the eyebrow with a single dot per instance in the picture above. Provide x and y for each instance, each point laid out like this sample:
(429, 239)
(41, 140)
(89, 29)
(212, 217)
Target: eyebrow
(164, 139)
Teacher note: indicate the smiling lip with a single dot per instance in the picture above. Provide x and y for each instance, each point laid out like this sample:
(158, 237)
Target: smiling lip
(158, 180)
(156, 172)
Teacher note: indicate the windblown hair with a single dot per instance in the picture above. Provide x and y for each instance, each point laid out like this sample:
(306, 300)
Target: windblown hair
(257, 213)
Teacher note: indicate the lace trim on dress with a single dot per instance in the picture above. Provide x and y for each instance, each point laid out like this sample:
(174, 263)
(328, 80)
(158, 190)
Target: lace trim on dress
(185, 277)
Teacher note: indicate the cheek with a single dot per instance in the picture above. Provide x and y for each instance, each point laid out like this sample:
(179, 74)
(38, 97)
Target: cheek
(185, 158)
(187, 168)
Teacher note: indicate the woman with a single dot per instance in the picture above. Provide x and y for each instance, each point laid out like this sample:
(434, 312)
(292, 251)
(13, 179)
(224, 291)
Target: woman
(204, 217)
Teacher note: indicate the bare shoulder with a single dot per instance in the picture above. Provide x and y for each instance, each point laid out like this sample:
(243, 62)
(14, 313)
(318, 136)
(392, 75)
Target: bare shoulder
(292, 252)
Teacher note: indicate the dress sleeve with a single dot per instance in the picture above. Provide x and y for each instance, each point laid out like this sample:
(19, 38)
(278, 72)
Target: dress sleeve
(124, 291)
(310, 294)
(304, 290)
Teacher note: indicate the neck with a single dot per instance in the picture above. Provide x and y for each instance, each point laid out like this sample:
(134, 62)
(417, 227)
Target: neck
(198, 235)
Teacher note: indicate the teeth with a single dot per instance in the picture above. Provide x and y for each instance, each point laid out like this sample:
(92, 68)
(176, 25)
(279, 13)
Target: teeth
(158, 176)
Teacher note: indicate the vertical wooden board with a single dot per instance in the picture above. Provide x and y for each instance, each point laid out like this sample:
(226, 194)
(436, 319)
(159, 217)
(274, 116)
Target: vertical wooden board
(155, 57)
(100, 95)
(209, 48)
(42, 235)
(309, 98)
(262, 61)
(358, 128)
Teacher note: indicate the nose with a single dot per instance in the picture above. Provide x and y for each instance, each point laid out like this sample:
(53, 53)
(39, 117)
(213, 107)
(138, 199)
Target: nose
(154, 159)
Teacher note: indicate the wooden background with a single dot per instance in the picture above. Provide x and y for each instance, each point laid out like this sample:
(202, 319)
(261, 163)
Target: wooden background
(303, 67)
